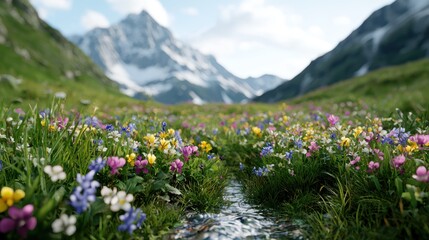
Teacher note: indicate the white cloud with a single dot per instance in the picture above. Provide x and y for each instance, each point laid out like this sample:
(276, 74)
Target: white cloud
(53, 4)
(266, 35)
(342, 21)
(92, 19)
(153, 7)
(190, 11)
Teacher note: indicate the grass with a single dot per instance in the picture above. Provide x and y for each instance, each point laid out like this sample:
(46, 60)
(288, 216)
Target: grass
(384, 90)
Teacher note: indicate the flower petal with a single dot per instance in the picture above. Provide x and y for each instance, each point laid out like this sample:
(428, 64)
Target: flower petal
(7, 225)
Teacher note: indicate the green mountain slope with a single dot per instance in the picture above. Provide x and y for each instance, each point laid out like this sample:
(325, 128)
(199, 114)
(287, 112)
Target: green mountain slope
(45, 61)
(405, 87)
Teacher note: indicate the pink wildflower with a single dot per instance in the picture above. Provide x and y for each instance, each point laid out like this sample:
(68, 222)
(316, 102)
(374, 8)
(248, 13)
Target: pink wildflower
(115, 163)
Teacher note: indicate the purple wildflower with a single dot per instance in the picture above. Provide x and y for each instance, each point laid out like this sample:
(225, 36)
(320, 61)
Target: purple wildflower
(422, 175)
(20, 219)
(187, 151)
(398, 161)
(141, 165)
(373, 166)
(176, 165)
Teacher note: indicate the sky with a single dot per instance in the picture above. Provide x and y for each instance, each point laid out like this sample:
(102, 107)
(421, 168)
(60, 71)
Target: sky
(247, 37)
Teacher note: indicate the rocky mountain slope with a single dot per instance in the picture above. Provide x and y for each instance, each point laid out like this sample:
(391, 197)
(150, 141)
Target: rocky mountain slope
(395, 34)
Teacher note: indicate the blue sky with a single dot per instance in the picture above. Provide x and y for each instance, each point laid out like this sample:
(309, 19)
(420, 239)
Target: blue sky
(248, 37)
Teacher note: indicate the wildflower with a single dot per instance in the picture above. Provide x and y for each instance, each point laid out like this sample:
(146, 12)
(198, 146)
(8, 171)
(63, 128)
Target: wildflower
(209, 156)
(241, 166)
(1, 165)
(354, 161)
(66, 224)
(288, 155)
(176, 165)
(178, 138)
(151, 158)
(421, 140)
(164, 126)
(20, 219)
(379, 154)
(257, 131)
(9, 197)
(141, 165)
(108, 194)
(150, 140)
(130, 159)
(345, 142)
(205, 146)
(109, 127)
(267, 150)
(422, 175)
(132, 219)
(373, 166)
(56, 172)
(84, 194)
(120, 201)
(164, 145)
(357, 131)
(187, 151)
(398, 161)
(97, 164)
(115, 163)
(332, 119)
(298, 144)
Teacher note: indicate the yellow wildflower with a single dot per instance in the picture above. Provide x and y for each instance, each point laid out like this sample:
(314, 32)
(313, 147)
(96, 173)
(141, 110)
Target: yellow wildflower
(163, 135)
(171, 132)
(257, 131)
(43, 122)
(205, 146)
(357, 131)
(164, 144)
(131, 159)
(151, 158)
(345, 142)
(9, 197)
(150, 140)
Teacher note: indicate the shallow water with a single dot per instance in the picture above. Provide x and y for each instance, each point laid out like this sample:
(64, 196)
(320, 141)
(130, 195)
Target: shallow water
(237, 220)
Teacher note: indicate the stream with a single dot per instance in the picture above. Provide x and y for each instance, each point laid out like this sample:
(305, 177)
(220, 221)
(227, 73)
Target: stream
(237, 220)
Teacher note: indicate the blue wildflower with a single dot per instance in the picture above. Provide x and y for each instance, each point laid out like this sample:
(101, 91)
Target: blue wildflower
(333, 136)
(210, 156)
(241, 167)
(84, 194)
(92, 121)
(109, 127)
(132, 219)
(164, 126)
(261, 171)
(268, 149)
(298, 144)
(97, 164)
(178, 138)
(288, 155)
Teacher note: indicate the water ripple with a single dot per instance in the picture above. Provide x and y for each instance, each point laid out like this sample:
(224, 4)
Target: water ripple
(237, 220)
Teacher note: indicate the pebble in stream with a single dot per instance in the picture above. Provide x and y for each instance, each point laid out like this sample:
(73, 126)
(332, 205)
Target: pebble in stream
(238, 220)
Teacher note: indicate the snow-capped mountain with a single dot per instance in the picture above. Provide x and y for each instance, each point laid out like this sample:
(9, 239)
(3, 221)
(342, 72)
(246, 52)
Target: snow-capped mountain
(144, 57)
(395, 34)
